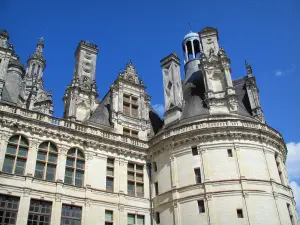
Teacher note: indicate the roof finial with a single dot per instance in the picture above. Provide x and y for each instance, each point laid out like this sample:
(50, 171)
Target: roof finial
(190, 26)
(249, 68)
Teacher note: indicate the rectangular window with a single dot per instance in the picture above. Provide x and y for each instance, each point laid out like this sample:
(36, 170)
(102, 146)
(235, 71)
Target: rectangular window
(135, 179)
(39, 212)
(277, 159)
(8, 209)
(194, 150)
(154, 166)
(197, 175)
(132, 133)
(239, 213)
(133, 219)
(70, 215)
(290, 213)
(110, 175)
(156, 188)
(130, 106)
(201, 206)
(229, 152)
(157, 218)
(109, 217)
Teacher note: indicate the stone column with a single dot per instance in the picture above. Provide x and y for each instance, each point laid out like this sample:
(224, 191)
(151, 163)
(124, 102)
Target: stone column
(61, 164)
(122, 176)
(3, 146)
(31, 158)
(56, 210)
(23, 208)
(173, 168)
(210, 209)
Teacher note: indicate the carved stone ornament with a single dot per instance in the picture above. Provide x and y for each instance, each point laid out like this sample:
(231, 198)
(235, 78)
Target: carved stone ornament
(121, 207)
(175, 203)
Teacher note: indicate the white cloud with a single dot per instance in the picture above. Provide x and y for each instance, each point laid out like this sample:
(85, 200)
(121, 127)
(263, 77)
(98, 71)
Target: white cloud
(293, 169)
(296, 190)
(285, 72)
(160, 109)
(293, 161)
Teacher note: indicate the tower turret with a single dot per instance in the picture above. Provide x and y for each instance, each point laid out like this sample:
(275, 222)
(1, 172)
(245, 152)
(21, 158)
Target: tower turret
(81, 95)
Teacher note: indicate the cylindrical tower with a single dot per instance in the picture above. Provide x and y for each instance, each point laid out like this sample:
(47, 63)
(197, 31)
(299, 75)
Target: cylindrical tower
(219, 167)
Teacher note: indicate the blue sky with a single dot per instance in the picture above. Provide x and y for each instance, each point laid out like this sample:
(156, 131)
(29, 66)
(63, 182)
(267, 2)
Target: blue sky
(265, 32)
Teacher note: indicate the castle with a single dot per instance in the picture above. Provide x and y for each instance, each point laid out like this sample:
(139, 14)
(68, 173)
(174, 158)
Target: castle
(212, 160)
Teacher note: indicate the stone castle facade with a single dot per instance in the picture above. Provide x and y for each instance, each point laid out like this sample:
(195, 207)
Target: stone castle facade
(212, 160)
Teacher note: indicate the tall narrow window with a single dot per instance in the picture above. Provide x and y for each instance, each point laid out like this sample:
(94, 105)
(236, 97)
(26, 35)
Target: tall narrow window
(135, 179)
(201, 206)
(277, 159)
(109, 220)
(154, 166)
(130, 105)
(32, 70)
(156, 188)
(229, 152)
(70, 215)
(46, 161)
(8, 209)
(157, 218)
(194, 150)
(290, 213)
(16, 155)
(239, 213)
(110, 175)
(39, 212)
(75, 167)
(197, 175)
(38, 71)
(133, 219)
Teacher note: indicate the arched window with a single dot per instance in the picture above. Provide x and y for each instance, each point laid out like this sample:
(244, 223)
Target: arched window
(32, 70)
(46, 161)
(75, 167)
(38, 71)
(16, 155)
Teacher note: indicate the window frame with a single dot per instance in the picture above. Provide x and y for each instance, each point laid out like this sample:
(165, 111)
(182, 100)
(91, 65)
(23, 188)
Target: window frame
(16, 157)
(157, 217)
(75, 169)
(130, 132)
(5, 209)
(195, 150)
(230, 153)
(69, 217)
(135, 218)
(46, 162)
(201, 206)
(39, 214)
(112, 215)
(136, 182)
(240, 213)
(198, 177)
(131, 101)
(156, 190)
(108, 166)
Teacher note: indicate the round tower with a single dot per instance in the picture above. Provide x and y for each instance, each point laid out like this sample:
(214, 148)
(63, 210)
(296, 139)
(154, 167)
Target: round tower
(36, 62)
(218, 168)
(191, 49)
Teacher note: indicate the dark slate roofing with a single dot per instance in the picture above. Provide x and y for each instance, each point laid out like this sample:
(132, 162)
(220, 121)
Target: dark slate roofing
(6, 97)
(16, 63)
(239, 86)
(155, 121)
(101, 115)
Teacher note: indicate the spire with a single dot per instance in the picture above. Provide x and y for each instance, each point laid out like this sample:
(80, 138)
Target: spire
(40, 46)
(248, 68)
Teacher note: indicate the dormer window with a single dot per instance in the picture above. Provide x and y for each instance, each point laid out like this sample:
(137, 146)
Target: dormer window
(130, 105)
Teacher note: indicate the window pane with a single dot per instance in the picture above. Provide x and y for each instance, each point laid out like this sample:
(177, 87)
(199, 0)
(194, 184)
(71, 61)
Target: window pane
(50, 172)
(139, 168)
(23, 141)
(130, 166)
(134, 111)
(79, 178)
(80, 164)
(131, 190)
(70, 162)
(14, 139)
(20, 167)
(41, 155)
(8, 164)
(110, 171)
(39, 170)
(130, 176)
(11, 149)
(140, 220)
(80, 154)
(131, 219)
(52, 147)
(22, 151)
(139, 177)
(72, 152)
(44, 146)
(110, 162)
(52, 158)
(108, 215)
(109, 184)
(140, 190)
(69, 176)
